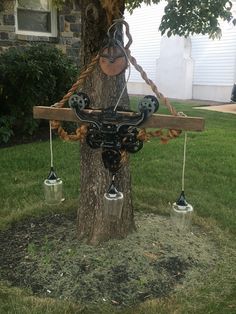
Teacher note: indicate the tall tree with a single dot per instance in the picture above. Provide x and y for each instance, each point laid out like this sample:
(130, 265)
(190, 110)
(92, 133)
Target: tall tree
(104, 92)
(182, 17)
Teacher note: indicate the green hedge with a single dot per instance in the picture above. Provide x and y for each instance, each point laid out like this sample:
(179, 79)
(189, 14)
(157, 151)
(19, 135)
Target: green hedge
(29, 76)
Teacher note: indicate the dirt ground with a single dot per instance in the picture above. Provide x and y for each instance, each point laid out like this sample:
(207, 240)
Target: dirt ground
(45, 256)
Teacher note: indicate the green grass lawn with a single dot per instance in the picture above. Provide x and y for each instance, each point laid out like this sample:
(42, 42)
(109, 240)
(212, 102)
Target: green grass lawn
(210, 186)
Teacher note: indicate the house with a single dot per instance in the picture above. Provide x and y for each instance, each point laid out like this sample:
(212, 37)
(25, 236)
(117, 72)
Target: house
(24, 22)
(183, 68)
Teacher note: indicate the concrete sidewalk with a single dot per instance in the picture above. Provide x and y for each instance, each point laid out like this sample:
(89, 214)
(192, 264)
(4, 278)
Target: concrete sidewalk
(228, 108)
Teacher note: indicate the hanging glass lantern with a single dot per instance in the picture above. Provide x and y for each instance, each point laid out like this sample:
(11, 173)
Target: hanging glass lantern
(53, 189)
(113, 202)
(52, 185)
(181, 213)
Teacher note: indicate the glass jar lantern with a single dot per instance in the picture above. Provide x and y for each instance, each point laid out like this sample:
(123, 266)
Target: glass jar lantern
(113, 202)
(53, 192)
(181, 214)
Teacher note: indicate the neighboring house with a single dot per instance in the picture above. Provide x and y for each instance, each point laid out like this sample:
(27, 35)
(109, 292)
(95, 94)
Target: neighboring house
(31, 21)
(195, 67)
(192, 68)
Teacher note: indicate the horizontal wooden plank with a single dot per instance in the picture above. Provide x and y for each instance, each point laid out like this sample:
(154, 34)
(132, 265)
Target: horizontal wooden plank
(51, 113)
(175, 122)
(155, 121)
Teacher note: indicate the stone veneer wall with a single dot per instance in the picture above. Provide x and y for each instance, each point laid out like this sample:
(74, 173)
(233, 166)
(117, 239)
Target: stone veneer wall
(68, 25)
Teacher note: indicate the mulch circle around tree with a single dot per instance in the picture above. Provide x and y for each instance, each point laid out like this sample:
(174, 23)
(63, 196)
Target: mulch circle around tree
(45, 256)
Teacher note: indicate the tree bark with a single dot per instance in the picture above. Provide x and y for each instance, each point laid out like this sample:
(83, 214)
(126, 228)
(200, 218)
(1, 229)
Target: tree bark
(103, 91)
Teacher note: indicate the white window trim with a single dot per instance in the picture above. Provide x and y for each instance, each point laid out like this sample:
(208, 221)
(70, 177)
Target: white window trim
(53, 32)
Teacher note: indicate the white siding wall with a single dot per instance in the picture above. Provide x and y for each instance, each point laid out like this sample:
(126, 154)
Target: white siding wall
(214, 60)
(144, 24)
(214, 65)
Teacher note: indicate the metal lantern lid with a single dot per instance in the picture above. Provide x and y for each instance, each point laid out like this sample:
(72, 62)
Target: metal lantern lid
(112, 193)
(181, 201)
(181, 204)
(52, 175)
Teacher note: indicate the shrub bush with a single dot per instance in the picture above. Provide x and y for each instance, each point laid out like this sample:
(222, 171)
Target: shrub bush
(6, 128)
(32, 75)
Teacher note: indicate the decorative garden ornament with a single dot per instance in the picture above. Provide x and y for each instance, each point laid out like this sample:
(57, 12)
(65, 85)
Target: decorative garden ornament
(53, 192)
(182, 211)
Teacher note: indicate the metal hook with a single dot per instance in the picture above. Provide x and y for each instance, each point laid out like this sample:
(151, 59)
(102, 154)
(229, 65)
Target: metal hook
(123, 22)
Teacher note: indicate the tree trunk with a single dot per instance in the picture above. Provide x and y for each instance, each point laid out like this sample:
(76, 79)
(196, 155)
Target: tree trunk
(103, 91)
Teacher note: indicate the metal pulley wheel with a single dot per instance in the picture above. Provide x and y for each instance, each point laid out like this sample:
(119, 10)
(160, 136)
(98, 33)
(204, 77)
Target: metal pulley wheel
(112, 60)
(132, 144)
(149, 103)
(93, 138)
(79, 101)
(85, 97)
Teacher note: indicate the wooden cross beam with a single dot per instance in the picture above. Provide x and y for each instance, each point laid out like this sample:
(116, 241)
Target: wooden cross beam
(154, 121)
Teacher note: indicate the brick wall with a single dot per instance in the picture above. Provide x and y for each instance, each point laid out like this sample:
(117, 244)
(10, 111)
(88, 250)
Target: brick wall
(69, 30)
(68, 25)
(7, 25)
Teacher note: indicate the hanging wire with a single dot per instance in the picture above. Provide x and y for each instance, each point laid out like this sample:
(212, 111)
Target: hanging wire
(120, 21)
(109, 29)
(182, 114)
(51, 151)
(50, 137)
(184, 160)
(128, 77)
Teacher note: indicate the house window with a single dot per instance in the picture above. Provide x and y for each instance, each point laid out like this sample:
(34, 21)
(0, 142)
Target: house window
(36, 17)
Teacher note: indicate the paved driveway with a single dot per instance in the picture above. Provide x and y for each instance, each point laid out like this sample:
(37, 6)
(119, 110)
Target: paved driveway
(229, 108)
